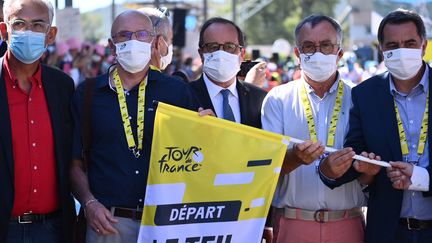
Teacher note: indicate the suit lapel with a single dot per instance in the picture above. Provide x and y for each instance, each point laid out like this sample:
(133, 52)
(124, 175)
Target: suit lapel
(429, 120)
(5, 125)
(389, 119)
(243, 92)
(54, 106)
(203, 95)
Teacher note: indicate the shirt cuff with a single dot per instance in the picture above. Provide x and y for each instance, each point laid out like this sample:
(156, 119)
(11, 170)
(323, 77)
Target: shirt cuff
(419, 179)
(324, 177)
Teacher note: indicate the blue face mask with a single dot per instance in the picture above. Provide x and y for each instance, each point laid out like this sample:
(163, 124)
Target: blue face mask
(27, 46)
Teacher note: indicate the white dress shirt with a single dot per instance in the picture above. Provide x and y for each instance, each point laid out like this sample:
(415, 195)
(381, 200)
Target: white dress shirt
(217, 99)
(283, 113)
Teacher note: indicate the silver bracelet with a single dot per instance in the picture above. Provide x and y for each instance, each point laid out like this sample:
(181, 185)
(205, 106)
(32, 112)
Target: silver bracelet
(89, 202)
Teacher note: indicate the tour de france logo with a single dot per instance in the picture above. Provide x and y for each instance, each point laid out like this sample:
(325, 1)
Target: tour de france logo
(390, 54)
(178, 159)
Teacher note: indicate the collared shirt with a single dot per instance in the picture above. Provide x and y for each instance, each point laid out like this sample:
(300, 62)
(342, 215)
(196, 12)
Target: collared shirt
(115, 176)
(33, 146)
(283, 113)
(411, 109)
(216, 97)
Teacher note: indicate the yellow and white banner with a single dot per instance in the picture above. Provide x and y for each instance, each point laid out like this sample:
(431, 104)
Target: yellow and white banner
(210, 180)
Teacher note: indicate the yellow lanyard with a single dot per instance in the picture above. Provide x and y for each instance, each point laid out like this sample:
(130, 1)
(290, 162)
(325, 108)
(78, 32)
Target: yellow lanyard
(125, 114)
(423, 131)
(335, 116)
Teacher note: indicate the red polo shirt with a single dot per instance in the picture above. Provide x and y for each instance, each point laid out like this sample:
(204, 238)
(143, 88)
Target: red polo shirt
(33, 146)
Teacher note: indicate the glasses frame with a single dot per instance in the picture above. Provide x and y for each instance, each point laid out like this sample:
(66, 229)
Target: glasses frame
(115, 37)
(237, 47)
(164, 14)
(318, 47)
(29, 25)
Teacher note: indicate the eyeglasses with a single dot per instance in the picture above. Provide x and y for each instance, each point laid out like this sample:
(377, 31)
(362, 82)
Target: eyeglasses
(140, 35)
(22, 25)
(228, 47)
(310, 48)
(164, 13)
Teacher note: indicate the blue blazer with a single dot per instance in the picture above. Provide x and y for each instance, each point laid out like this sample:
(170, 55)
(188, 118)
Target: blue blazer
(58, 89)
(373, 128)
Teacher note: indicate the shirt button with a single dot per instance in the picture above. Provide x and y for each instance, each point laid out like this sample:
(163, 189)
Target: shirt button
(414, 146)
(35, 167)
(130, 118)
(32, 122)
(137, 172)
(34, 190)
(409, 99)
(30, 99)
(34, 144)
(411, 121)
(14, 86)
(413, 194)
(140, 200)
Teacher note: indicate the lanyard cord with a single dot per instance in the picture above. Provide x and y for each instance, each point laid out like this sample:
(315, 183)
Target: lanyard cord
(125, 114)
(423, 131)
(335, 116)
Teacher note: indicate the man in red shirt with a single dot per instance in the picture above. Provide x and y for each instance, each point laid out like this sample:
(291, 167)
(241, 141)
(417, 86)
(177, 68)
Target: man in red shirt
(36, 130)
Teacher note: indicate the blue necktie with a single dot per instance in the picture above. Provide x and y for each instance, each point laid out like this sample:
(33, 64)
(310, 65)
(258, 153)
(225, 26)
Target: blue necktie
(227, 111)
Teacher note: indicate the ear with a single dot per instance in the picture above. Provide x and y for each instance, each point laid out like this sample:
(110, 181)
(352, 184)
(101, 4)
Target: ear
(340, 54)
(201, 55)
(51, 35)
(297, 52)
(112, 47)
(3, 31)
(158, 43)
(424, 46)
(242, 54)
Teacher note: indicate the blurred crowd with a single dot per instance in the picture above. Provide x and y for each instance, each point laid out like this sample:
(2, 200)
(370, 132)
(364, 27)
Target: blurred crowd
(84, 59)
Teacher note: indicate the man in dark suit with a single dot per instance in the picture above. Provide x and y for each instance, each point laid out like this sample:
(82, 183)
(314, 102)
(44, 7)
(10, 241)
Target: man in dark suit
(3, 45)
(390, 118)
(221, 46)
(36, 131)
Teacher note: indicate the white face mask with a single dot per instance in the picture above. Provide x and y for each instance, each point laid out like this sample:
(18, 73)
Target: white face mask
(166, 60)
(403, 63)
(133, 55)
(318, 67)
(221, 66)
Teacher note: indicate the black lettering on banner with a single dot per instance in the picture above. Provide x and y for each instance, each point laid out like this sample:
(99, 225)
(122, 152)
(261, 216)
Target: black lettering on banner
(204, 239)
(191, 213)
(262, 162)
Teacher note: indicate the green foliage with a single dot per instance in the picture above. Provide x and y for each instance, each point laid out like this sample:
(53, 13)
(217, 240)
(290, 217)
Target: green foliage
(279, 18)
(92, 26)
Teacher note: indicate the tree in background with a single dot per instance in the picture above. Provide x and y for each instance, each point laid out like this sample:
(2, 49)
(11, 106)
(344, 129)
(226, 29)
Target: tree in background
(92, 23)
(280, 17)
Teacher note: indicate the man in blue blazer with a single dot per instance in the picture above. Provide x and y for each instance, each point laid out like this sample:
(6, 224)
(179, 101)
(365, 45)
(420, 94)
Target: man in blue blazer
(390, 118)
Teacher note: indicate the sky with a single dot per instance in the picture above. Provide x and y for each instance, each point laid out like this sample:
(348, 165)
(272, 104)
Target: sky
(88, 5)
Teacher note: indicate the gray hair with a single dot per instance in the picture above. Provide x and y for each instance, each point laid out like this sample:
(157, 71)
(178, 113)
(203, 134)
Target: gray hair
(315, 19)
(159, 20)
(9, 3)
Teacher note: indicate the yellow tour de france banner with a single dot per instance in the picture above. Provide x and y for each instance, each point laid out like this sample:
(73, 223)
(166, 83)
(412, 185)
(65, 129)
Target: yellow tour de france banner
(210, 180)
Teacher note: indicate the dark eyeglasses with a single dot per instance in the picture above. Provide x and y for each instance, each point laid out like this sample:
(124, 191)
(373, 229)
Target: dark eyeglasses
(228, 47)
(164, 13)
(140, 35)
(310, 48)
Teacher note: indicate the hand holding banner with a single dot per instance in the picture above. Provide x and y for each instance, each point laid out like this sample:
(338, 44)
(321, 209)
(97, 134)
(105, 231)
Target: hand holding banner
(357, 157)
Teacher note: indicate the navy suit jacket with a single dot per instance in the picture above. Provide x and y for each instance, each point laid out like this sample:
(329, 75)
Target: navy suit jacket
(58, 89)
(250, 100)
(373, 128)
